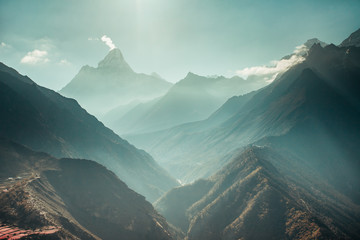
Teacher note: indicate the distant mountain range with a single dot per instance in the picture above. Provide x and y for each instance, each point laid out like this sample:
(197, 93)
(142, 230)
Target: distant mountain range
(130, 102)
(281, 162)
(312, 109)
(78, 199)
(113, 83)
(44, 120)
(288, 158)
(191, 99)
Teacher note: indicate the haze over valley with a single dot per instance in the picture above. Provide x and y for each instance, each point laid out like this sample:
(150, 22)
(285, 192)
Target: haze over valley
(179, 120)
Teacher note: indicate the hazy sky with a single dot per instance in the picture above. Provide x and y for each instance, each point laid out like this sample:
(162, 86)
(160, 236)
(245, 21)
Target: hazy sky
(50, 40)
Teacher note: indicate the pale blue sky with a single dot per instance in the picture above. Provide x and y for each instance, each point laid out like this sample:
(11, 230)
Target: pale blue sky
(170, 37)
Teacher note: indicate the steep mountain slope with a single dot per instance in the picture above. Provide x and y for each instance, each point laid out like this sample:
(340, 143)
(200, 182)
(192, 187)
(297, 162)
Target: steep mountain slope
(74, 197)
(193, 98)
(123, 123)
(250, 198)
(303, 49)
(119, 111)
(176, 147)
(352, 40)
(309, 43)
(111, 84)
(319, 94)
(45, 121)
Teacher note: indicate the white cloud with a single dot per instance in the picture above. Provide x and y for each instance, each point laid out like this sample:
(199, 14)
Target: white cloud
(46, 44)
(4, 45)
(64, 62)
(35, 57)
(301, 50)
(108, 42)
(276, 67)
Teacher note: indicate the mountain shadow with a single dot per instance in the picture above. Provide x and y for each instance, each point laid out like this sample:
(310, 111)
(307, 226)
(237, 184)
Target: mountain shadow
(260, 195)
(79, 199)
(315, 100)
(46, 121)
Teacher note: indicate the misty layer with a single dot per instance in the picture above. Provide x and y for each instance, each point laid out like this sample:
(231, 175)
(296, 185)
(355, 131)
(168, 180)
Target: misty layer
(275, 156)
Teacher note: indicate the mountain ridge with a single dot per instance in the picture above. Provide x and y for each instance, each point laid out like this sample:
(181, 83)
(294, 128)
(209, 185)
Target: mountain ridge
(191, 99)
(45, 121)
(42, 191)
(271, 111)
(251, 191)
(352, 40)
(112, 83)
(115, 59)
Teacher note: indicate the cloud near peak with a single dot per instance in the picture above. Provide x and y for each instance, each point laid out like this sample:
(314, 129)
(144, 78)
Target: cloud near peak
(270, 72)
(108, 42)
(35, 57)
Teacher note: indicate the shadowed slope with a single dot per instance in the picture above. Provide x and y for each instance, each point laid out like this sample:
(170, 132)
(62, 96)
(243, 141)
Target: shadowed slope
(322, 91)
(45, 121)
(80, 197)
(251, 199)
